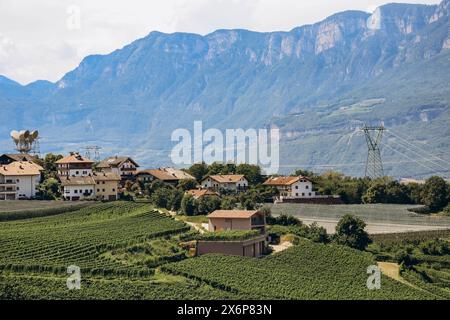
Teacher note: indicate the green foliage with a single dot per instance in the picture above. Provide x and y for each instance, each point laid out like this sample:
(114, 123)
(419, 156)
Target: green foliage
(230, 235)
(198, 171)
(228, 203)
(350, 232)
(35, 213)
(435, 247)
(387, 191)
(435, 193)
(251, 172)
(187, 184)
(50, 244)
(283, 220)
(49, 189)
(313, 232)
(188, 206)
(339, 273)
(54, 288)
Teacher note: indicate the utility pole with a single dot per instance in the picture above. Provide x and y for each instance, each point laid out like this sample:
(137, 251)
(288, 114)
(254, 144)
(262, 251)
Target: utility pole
(374, 165)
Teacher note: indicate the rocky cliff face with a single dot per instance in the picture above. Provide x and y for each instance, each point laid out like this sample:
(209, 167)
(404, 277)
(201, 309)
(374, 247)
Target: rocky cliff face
(316, 78)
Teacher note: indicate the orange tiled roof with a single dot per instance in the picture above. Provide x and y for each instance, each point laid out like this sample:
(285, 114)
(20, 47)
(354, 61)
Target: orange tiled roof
(21, 168)
(227, 178)
(284, 181)
(201, 192)
(159, 174)
(74, 158)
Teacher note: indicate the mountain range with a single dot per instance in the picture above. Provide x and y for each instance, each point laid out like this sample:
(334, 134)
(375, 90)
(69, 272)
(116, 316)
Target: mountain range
(317, 83)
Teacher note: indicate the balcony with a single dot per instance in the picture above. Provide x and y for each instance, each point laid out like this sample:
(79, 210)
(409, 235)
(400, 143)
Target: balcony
(7, 183)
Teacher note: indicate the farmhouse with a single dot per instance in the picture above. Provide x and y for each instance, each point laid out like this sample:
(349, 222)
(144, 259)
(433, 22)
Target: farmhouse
(151, 175)
(231, 182)
(299, 189)
(19, 180)
(74, 165)
(292, 187)
(243, 220)
(125, 167)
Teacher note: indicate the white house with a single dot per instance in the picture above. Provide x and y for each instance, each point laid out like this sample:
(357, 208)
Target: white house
(19, 180)
(77, 188)
(230, 182)
(293, 187)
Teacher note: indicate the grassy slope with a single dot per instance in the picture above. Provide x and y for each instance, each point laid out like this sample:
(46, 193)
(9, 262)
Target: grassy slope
(307, 271)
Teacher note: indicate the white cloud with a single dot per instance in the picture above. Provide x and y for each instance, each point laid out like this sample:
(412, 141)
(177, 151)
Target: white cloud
(35, 42)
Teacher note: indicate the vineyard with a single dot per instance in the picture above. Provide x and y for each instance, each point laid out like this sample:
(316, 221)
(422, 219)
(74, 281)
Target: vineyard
(50, 244)
(306, 271)
(424, 258)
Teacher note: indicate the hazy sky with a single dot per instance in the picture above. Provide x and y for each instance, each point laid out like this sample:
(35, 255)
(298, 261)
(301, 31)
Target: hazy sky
(44, 39)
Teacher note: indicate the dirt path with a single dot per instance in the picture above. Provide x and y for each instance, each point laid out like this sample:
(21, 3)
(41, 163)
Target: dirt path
(281, 247)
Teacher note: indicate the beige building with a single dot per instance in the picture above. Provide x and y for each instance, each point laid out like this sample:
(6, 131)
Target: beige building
(148, 176)
(106, 186)
(221, 220)
(19, 180)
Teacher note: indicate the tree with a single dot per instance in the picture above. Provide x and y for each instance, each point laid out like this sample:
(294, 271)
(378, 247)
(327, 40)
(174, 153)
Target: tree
(435, 193)
(188, 206)
(161, 198)
(350, 232)
(228, 203)
(49, 189)
(198, 171)
(251, 172)
(187, 184)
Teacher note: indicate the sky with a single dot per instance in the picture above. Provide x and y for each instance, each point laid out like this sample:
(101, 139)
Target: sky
(44, 39)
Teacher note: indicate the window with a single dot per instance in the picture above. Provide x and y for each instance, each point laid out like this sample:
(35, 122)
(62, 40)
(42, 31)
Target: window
(18, 180)
(114, 190)
(76, 191)
(296, 187)
(103, 182)
(103, 190)
(17, 188)
(296, 194)
(310, 194)
(77, 172)
(98, 190)
(306, 187)
(84, 172)
(303, 194)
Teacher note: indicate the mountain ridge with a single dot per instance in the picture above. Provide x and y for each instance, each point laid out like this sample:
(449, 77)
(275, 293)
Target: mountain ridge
(239, 78)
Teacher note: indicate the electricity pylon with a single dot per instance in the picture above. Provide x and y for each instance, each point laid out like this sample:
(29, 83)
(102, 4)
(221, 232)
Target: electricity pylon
(374, 165)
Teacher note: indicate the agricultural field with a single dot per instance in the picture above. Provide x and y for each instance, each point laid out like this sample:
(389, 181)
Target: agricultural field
(380, 218)
(21, 205)
(306, 271)
(424, 258)
(129, 250)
